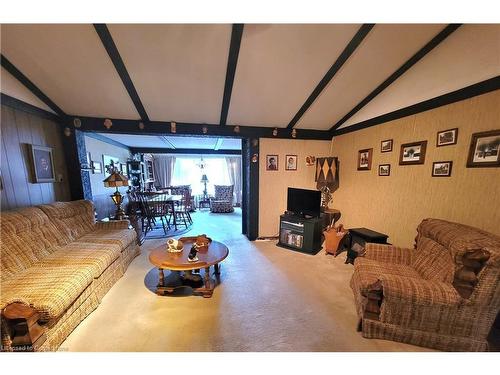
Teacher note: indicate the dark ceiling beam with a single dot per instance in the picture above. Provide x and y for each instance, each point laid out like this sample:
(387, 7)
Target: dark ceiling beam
(346, 53)
(232, 61)
(185, 151)
(218, 144)
(120, 126)
(114, 55)
(476, 89)
(29, 108)
(7, 65)
(433, 43)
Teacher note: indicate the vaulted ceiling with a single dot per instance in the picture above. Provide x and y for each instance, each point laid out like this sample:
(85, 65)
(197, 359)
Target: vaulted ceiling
(307, 76)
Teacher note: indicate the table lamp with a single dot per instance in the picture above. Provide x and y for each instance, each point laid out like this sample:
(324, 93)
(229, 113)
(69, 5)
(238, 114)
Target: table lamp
(116, 179)
(204, 180)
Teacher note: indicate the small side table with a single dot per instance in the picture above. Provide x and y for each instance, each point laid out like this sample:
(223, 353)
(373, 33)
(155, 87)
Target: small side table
(331, 216)
(361, 236)
(204, 203)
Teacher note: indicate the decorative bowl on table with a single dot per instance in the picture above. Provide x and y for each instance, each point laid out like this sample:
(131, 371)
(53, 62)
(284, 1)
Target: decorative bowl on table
(174, 246)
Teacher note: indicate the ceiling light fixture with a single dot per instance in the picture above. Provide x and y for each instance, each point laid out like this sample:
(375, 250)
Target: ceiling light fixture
(141, 125)
(77, 122)
(236, 129)
(275, 132)
(173, 127)
(294, 133)
(204, 130)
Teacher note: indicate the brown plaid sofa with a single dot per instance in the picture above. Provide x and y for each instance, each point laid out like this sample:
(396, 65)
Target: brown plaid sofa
(442, 294)
(59, 262)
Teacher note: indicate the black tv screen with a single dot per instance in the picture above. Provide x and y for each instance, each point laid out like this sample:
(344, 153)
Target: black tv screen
(304, 202)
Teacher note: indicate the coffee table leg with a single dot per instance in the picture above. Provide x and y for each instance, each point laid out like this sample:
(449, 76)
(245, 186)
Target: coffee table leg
(207, 293)
(216, 269)
(161, 277)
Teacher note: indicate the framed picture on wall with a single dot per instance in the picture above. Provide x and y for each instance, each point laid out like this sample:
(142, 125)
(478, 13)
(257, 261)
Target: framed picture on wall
(123, 168)
(412, 153)
(386, 146)
(365, 159)
(384, 170)
(96, 167)
(271, 162)
(110, 164)
(42, 164)
(291, 162)
(441, 168)
(447, 137)
(484, 150)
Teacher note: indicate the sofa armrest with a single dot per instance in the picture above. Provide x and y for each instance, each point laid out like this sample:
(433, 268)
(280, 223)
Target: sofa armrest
(388, 253)
(112, 224)
(418, 291)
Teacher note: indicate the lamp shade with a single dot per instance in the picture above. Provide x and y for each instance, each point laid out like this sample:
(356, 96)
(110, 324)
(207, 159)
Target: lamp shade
(116, 179)
(204, 178)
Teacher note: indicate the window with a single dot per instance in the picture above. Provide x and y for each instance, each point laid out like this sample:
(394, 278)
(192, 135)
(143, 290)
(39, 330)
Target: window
(188, 172)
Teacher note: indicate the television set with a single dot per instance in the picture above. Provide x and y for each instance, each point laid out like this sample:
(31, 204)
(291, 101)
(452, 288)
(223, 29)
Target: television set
(303, 202)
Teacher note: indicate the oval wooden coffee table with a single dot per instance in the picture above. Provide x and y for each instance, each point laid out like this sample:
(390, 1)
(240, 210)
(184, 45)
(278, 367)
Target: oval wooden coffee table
(178, 263)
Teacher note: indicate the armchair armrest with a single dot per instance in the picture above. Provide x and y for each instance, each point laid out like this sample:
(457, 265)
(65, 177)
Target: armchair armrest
(419, 291)
(112, 224)
(388, 253)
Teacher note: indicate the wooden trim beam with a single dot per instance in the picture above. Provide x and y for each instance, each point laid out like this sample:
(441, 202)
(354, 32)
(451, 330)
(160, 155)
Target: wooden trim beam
(343, 57)
(114, 55)
(26, 107)
(232, 61)
(121, 126)
(30, 85)
(185, 151)
(433, 43)
(476, 89)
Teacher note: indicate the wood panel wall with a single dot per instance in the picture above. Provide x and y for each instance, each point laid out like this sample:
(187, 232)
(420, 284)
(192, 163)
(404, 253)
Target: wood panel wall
(395, 205)
(18, 129)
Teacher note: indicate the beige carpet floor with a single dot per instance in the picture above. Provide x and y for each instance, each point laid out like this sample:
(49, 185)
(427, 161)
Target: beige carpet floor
(269, 299)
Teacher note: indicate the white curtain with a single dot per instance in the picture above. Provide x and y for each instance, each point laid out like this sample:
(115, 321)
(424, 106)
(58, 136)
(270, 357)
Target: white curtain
(164, 168)
(234, 169)
(188, 172)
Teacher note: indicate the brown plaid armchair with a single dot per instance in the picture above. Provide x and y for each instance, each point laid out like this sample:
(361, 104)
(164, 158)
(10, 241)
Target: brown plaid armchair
(443, 294)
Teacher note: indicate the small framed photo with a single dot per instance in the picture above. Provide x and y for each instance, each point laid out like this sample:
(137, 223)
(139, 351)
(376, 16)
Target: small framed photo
(291, 162)
(386, 146)
(42, 164)
(447, 137)
(484, 150)
(365, 159)
(412, 153)
(384, 170)
(441, 168)
(96, 167)
(272, 162)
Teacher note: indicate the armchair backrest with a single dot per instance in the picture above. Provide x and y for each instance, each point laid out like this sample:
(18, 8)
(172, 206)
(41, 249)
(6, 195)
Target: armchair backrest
(475, 257)
(224, 192)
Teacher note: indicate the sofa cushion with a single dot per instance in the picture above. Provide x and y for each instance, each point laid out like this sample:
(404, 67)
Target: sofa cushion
(73, 219)
(368, 271)
(27, 236)
(92, 256)
(120, 237)
(49, 290)
(433, 261)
